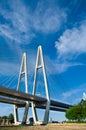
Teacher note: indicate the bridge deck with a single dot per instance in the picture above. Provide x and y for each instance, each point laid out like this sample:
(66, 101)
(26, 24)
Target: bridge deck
(20, 95)
(28, 97)
(22, 104)
(11, 101)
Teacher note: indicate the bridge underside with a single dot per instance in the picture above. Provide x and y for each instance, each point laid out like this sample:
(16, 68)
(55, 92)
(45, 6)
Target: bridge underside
(20, 99)
(28, 97)
(23, 104)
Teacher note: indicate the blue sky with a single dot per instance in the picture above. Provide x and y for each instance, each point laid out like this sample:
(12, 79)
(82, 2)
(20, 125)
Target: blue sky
(60, 27)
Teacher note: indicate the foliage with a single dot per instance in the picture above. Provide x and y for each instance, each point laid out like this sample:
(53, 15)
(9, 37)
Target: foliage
(4, 117)
(77, 113)
(11, 118)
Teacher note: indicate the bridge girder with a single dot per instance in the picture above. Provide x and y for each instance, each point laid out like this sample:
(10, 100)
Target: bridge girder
(19, 104)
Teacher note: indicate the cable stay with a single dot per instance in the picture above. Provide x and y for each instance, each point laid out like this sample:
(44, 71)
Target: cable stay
(40, 87)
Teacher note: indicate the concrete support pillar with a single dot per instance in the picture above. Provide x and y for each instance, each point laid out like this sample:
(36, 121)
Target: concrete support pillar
(7, 122)
(15, 114)
(24, 120)
(3, 121)
(35, 118)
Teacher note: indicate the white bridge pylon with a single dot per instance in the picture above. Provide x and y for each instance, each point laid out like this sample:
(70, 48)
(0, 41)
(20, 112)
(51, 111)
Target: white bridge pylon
(40, 65)
(23, 74)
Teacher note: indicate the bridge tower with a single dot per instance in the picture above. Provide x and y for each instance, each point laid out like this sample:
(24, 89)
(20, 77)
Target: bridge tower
(40, 65)
(22, 74)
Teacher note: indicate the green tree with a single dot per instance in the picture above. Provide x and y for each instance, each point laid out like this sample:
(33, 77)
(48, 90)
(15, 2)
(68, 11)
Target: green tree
(11, 118)
(78, 112)
(4, 117)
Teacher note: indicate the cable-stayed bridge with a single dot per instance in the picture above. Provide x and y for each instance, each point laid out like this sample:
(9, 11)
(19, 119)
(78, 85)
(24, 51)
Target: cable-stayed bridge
(24, 99)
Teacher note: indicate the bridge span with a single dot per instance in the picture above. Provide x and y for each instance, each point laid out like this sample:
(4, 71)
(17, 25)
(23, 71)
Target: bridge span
(20, 104)
(27, 97)
(24, 99)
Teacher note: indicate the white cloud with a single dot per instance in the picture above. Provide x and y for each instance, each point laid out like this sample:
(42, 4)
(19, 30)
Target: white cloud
(16, 26)
(20, 22)
(74, 95)
(48, 19)
(6, 66)
(72, 42)
(15, 64)
(71, 93)
(54, 67)
(23, 22)
(8, 32)
(74, 92)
